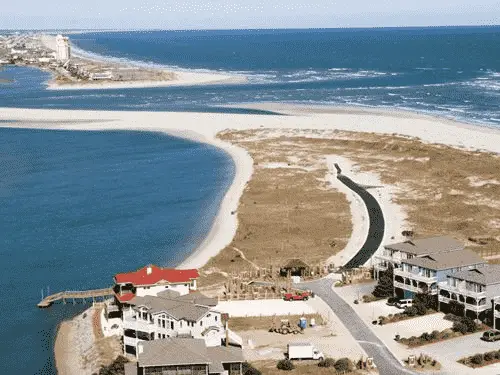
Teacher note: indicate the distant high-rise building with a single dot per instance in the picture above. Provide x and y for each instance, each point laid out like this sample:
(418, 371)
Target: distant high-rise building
(63, 50)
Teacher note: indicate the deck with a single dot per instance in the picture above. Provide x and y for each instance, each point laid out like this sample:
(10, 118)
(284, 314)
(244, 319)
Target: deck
(75, 295)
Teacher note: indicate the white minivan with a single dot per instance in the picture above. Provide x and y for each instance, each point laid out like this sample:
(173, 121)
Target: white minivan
(404, 303)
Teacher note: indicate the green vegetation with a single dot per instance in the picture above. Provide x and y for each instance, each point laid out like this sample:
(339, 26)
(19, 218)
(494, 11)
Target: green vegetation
(285, 365)
(481, 359)
(385, 286)
(248, 369)
(116, 368)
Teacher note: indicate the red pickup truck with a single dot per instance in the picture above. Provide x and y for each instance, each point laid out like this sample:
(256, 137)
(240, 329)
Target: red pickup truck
(304, 296)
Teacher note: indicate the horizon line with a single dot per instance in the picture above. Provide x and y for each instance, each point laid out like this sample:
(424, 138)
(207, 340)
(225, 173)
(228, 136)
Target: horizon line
(257, 28)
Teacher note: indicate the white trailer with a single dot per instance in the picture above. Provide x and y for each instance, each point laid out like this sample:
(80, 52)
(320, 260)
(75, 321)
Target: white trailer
(303, 350)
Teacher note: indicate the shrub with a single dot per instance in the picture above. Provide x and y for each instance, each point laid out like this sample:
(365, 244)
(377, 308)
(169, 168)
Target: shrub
(327, 362)
(489, 356)
(248, 369)
(477, 359)
(470, 323)
(497, 354)
(425, 336)
(434, 335)
(451, 317)
(343, 364)
(285, 364)
(116, 368)
(421, 308)
(460, 327)
(411, 311)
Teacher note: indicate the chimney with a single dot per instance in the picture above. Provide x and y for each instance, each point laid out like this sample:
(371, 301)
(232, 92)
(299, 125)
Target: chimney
(149, 270)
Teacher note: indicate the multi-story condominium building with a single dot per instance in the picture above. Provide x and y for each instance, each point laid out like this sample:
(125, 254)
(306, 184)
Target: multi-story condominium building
(176, 356)
(422, 274)
(394, 254)
(63, 49)
(474, 289)
(171, 315)
(151, 280)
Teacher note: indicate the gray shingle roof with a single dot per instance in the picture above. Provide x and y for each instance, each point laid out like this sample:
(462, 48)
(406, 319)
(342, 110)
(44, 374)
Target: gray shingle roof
(487, 274)
(178, 309)
(431, 245)
(178, 351)
(173, 351)
(443, 261)
(199, 299)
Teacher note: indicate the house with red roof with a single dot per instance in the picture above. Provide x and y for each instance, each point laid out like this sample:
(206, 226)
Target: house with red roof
(151, 280)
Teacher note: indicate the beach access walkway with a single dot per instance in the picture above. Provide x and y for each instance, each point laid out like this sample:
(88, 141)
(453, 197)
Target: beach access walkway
(73, 296)
(376, 226)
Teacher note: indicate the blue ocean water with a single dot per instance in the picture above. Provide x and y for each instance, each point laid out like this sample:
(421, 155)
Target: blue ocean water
(78, 207)
(448, 71)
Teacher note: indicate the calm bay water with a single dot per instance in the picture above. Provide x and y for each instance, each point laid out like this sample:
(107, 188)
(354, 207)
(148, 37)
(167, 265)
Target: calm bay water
(78, 207)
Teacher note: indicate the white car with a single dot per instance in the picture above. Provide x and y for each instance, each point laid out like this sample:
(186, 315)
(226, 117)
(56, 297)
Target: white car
(404, 303)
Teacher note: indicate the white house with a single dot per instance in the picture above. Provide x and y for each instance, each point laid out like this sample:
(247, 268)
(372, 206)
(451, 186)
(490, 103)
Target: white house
(63, 49)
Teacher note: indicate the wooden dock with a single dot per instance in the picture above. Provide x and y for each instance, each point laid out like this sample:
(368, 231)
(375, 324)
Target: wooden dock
(76, 295)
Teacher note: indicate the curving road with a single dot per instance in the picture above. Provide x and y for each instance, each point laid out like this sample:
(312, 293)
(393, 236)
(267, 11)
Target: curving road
(385, 361)
(377, 222)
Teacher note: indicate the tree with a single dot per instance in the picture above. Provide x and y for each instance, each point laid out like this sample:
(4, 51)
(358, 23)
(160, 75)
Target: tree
(343, 364)
(385, 286)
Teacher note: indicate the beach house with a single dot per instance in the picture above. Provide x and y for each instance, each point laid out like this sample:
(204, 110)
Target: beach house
(177, 356)
(394, 254)
(423, 273)
(151, 280)
(169, 315)
(472, 289)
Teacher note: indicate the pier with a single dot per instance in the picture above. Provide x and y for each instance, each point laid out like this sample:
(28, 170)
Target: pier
(75, 295)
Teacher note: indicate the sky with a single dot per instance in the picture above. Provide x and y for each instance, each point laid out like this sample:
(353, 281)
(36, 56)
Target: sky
(222, 14)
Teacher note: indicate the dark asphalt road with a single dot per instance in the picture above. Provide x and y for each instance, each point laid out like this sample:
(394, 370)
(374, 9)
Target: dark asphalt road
(386, 363)
(377, 223)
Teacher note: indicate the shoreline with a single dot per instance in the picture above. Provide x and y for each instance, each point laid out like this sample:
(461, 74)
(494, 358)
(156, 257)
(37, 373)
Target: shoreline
(204, 127)
(178, 77)
(225, 223)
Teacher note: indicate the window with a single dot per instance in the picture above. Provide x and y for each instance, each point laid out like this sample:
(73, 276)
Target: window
(171, 325)
(215, 318)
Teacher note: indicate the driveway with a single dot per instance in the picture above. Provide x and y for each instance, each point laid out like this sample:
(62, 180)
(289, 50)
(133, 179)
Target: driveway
(450, 351)
(377, 224)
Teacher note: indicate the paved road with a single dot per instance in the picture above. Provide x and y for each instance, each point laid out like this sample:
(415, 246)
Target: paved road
(377, 223)
(386, 363)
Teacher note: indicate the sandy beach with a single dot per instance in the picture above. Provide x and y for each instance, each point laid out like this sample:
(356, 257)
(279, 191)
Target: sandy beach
(204, 127)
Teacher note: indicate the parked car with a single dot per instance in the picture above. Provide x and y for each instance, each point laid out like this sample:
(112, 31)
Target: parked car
(404, 303)
(391, 301)
(491, 335)
(304, 296)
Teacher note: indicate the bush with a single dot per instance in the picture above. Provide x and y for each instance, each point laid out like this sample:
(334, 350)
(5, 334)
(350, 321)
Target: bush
(425, 336)
(343, 364)
(327, 362)
(497, 354)
(411, 311)
(477, 359)
(421, 308)
(460, 327)
(464, 325)
(434, 335)
(489, 356)
(116, 368)
(248, 369)
(285, 364)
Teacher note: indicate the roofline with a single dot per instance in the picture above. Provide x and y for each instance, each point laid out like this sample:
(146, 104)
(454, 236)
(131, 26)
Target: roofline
(177, 364)
(157, 283)
(442, 269)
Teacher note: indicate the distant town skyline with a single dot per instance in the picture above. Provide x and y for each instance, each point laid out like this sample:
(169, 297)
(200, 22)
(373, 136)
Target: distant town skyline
(217, 14)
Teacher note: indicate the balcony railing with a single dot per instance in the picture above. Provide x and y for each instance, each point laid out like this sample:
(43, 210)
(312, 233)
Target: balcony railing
(463, 291)
(138, 325)
(468, 306)
(414, 289)
(415, 276)
(131, 341)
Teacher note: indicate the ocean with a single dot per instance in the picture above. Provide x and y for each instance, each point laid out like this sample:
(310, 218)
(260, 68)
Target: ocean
(77, 207)
(447, 71)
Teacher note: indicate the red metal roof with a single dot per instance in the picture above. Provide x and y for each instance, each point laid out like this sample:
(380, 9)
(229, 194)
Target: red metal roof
(156, 274)
(125, 297)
